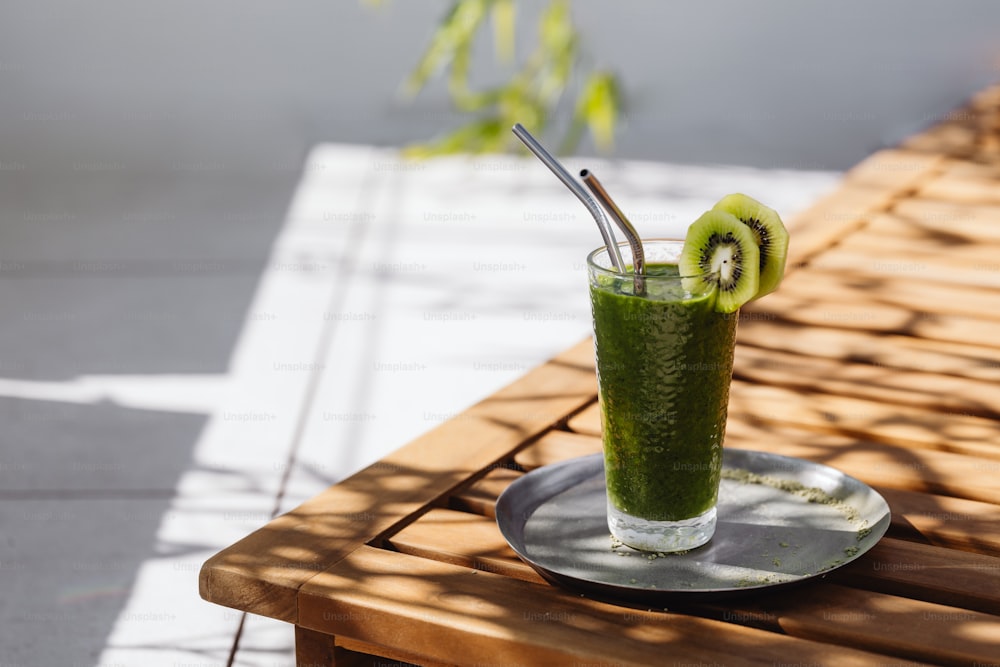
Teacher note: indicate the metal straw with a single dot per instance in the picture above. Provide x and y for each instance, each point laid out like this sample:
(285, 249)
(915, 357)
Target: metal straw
(638, 256)
(595, 210)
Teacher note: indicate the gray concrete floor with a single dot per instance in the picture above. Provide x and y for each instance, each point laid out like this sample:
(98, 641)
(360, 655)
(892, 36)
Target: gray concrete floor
(194, 303)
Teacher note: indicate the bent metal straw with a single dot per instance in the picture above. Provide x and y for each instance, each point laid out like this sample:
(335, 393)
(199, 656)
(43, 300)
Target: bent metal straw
(595, 210)
(638, 256)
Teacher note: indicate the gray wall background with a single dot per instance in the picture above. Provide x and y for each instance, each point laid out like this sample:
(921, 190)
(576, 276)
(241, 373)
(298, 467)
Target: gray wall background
(253, 83)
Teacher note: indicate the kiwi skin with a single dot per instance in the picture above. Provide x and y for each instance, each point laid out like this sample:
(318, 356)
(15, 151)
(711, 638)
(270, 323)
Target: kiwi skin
(769, 232)
(721, 251)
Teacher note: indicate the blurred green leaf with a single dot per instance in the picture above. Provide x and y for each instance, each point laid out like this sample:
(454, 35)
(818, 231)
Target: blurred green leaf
(504, 17)
(457, 28)
(458, 77)
(487, 135)
(531, 95)
(556, 29)
(598, 105)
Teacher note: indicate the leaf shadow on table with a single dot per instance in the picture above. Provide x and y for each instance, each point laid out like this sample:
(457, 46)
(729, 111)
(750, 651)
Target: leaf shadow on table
(884, 398)
(347, 589)
(435, 593)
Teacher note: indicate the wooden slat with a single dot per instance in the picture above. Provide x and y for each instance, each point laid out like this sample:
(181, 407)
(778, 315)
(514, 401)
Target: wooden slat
(263, 572)
(560, 446)
(939, 219)
(974, 267)
(899, 425)
(939, 225)
(871, 187)
(956, 523)
(881, 282)
(889, 624)
(887, 386)
(480, 497)
(587, 421)
(965, 182)
(832, 218)
(896, 170)
(938, 582)
(914, 259)
(883, 351)
(930, 573)
(799, 310)
(463, 539)
(970, 266)
(440, 611)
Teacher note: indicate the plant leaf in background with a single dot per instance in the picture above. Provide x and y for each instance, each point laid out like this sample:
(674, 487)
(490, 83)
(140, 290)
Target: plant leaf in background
(597, 108)
(558, 49)
(453, 38)
(531, 94)
(504, 18)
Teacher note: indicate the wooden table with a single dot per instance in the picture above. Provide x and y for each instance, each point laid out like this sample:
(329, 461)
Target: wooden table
(880, 356)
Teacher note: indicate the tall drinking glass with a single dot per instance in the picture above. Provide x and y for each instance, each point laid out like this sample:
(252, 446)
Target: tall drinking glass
(664, 365)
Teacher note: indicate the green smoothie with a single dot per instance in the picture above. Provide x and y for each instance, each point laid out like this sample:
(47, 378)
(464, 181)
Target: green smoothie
(664, 365)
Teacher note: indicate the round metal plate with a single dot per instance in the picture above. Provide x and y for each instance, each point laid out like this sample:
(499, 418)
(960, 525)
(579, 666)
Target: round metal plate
(555, 519)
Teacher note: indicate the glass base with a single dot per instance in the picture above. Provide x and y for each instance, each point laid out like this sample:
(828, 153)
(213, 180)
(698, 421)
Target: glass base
(661, 536)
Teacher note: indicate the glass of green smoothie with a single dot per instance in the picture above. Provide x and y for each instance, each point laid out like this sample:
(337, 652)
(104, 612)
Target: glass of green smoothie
(664, 366)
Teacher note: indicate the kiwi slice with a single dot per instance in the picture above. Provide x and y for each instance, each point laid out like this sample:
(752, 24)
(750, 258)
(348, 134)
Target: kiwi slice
(721, 251)
(771, 235)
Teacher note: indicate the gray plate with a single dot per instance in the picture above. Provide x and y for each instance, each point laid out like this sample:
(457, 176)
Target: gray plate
(766, 536)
